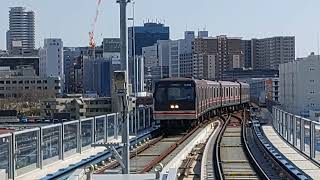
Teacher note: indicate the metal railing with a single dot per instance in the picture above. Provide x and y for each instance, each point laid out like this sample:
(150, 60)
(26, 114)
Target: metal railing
(24, 151)
(300, 132)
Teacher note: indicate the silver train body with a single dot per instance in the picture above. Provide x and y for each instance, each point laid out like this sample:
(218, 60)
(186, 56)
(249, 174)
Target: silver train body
(190, 99)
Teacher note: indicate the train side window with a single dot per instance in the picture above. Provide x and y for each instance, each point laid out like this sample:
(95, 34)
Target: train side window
(212, 90)
(226, 93)
(203, 95)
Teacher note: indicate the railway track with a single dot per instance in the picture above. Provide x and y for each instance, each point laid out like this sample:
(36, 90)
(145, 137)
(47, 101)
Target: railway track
(273, 169)
(158, 150)
(233, 159)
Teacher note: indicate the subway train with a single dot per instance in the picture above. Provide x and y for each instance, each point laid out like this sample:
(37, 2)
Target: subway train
(184, 101)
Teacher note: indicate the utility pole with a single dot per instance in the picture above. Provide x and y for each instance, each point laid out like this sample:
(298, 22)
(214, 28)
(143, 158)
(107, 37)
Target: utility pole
(120, 82)
(124, 67)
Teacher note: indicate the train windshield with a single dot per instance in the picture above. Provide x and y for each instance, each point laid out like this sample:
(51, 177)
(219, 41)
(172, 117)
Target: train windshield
(168, 93)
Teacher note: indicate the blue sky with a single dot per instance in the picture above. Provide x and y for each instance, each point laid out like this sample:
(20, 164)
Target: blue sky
(71, 19)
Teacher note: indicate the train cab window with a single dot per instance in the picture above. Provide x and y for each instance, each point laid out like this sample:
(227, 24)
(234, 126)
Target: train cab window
(179, 93)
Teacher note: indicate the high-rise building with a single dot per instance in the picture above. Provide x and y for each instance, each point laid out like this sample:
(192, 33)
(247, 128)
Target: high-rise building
(73, 58)
(51, 58)
(71, 64)
(140, 37)
(97, 76)
(300, 85)
(21, 34)
(14, 61)
(268, 53)
(202, 34)
(156, 60)
(246, 48)
(111, 48)
(146, 35)
(214, 55)
(23, 82)
(180, 56)
(139, 74)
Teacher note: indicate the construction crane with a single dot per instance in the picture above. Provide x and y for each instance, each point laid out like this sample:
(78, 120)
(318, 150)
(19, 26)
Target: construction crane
(92, 43)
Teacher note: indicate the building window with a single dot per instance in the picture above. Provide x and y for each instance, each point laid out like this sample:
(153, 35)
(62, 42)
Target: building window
(39, 82)
(14, 82)
(32, 82)
(27, 87)
(8, 82)
(20, 82)
(26, 82)
(39, 87)
(1, 82)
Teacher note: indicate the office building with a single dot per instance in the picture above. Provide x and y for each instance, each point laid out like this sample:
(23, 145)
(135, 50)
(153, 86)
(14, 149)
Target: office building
(180, 56)
(51, 58)
(24, 83)
(78, 106)
(275, 90)
(269, 53)
(146, 35)
(97, 76)
(244, 74)
(21, 33)
(14, 61)
(139, 74)
(111, 49)
(214, 55)
(72, 68)
(300, 85)
(202, 34)
(246, 48)
(156, 60)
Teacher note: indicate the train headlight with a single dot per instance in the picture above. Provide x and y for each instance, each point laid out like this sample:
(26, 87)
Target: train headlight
(172, 106)
(176, 106)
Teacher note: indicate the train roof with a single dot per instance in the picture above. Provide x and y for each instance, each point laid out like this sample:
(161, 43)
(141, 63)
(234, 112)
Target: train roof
(202, 81)
(228, 83)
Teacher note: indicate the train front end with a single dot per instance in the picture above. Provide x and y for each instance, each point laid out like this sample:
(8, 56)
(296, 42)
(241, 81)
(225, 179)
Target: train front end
(174, 101)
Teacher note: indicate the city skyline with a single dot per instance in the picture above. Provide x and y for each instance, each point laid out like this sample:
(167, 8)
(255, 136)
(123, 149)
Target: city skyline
(246, 19)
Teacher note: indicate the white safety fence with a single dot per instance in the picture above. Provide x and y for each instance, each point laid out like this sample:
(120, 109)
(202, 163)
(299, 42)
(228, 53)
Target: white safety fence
(31, 149)
(300, 132)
